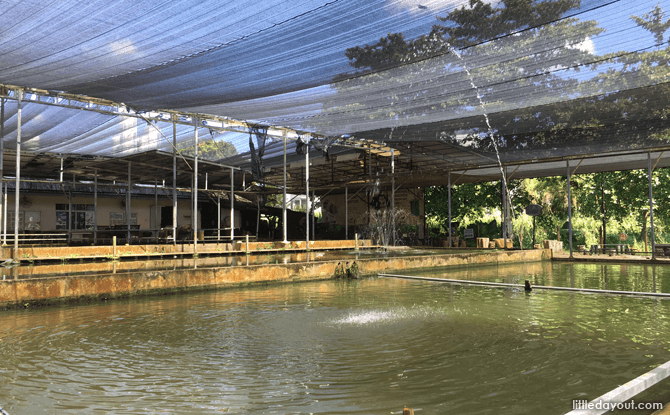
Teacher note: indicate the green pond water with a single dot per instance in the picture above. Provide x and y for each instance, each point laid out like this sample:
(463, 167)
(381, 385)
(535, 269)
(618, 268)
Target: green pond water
(369, 346)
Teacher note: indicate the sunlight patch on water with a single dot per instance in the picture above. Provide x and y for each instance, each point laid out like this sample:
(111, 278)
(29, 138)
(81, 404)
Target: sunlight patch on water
(365, 317)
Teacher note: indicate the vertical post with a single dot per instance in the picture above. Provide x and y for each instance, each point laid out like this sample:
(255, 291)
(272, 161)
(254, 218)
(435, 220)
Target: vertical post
(307, 194)
(218, 217)
(567, 163)
(449, 203)
(258, 215)
(114, 246)
(61, 168)
(174, 180)
(4, 216)
(232, 206)
(393, 215)
(370, 174)
(206, 179)
(285, 228)
(651, 208)
(313, 215)
(195, 190)
(19, 94)
(70, 216)
(2, 159)
(346, 212)
(128, 207)
(156, 220)
(504, 218)
(95, 207)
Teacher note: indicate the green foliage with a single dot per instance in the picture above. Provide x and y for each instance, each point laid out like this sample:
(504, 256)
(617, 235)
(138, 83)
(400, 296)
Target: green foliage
(211, 150)
(622, 198)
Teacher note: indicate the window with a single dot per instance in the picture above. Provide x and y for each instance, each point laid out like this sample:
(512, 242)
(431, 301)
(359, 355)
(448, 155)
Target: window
(119, 219)
(415, 207)
(83, 216)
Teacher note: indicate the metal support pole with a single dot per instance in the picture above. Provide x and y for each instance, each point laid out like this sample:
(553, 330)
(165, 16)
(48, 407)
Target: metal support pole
(449, 203)
(2, 157)
(371, 184)
(19, 94)
(504, 219)
(174, 180)
(232, 205)
(307, 194)
(128, 206)
(218, 217)
(4, 216)
(346, 212)
(95, 207)
(69, 212)
(195, 189)
(284, 199)
(156, 221)
(393, 213)
(567, 163)
(313, 216)
(651, 208)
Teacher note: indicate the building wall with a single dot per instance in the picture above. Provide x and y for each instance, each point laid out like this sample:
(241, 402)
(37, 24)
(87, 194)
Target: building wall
(143, 208)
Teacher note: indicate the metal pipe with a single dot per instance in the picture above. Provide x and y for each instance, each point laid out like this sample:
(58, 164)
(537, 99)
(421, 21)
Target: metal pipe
(393, 213)
(218, 217)
(651, 208)
(95, 207)
(4, 215)
(539, 287)
(567, 163)
(346, 212)
(69, 211)
(195, 185)
(284, 199)
(156, 224)
(2, 155)
(174, 181)
(307, 194)
(232, 206)
(19, 94)
(449, 203)
(128, 206)
(623, 393)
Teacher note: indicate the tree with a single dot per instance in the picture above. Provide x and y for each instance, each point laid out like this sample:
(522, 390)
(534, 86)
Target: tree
(212, 150)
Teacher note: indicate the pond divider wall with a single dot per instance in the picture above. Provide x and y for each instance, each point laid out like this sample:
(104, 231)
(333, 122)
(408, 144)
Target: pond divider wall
(46, 290)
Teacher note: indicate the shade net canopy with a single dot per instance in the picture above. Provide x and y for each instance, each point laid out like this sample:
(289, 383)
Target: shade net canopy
(465, 84)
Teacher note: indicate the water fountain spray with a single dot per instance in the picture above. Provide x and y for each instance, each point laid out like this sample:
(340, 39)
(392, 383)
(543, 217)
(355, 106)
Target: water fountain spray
(490, 131)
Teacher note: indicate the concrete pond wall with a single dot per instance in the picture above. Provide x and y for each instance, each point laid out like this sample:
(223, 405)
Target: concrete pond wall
(39, 291)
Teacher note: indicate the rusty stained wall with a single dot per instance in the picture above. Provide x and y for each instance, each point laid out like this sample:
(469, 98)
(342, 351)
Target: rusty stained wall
(53, 290)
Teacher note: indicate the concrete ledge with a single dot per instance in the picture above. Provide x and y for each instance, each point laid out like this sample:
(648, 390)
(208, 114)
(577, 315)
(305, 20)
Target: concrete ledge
(18, 293)
(44, 253)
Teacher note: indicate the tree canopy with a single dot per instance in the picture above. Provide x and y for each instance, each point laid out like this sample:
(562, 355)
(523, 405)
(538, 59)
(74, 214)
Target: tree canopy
(212, 150)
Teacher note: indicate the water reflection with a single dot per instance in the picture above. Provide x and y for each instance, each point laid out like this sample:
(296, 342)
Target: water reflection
(337, 347)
